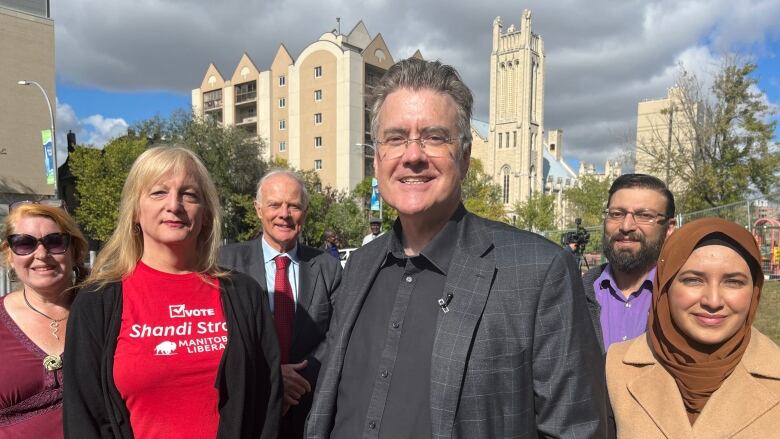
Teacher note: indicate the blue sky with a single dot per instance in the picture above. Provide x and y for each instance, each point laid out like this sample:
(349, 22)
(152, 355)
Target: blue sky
(123, 61)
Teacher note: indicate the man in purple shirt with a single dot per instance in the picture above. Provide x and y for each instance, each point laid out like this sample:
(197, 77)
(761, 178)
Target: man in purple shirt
(638, 218)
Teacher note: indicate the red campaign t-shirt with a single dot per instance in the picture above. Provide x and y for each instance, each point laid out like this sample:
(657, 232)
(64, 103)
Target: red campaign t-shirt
(170, 344)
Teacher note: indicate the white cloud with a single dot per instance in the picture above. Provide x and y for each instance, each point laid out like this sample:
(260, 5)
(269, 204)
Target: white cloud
(603, 56)
(94, 130)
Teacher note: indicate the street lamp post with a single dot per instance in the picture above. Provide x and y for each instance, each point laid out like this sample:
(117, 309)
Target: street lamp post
(53, 133)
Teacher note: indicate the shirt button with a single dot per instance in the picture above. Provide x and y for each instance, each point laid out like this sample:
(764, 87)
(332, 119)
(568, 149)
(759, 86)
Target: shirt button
(408, 278)
(628, 305)
(625, 338)
(396, 324)
(371, 425)
(383, 373)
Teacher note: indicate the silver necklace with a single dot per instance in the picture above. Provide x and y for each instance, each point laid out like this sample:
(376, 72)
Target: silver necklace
(55, 323)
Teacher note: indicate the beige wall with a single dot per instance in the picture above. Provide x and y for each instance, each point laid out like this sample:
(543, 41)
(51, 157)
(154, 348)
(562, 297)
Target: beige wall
(327, 107)
(27, 48)
(279, 68)
(654, 134)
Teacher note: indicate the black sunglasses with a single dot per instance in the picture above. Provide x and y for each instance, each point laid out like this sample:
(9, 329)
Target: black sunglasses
(54, 243)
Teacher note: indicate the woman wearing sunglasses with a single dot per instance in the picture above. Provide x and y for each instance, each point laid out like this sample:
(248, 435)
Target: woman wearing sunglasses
(702, 370)
(163, 343)
(45, 250)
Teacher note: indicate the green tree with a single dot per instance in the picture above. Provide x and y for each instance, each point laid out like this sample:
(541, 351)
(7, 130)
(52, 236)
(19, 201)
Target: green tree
(588, 199)
(537, 213)
(728, 151)
(100, 176)
(480, 195)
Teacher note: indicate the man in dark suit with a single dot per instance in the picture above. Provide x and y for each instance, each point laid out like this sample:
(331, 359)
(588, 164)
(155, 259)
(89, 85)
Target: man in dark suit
(451, 325)
(299, 282)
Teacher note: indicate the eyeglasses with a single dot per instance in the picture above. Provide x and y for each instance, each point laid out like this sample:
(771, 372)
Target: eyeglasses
(394, 147)
(54, 243)
(641, 216)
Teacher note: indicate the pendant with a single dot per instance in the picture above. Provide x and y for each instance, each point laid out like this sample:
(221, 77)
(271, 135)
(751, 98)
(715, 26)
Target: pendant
(55, 327)
(52, 362)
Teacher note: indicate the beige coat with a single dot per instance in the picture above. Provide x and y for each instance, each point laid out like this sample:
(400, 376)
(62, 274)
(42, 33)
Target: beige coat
(647, 403)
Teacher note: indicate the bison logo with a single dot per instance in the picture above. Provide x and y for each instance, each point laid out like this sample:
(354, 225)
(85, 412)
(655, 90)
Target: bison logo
(165, 348)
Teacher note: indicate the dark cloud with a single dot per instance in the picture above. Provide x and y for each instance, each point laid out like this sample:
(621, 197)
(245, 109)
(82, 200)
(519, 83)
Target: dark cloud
(603, 56)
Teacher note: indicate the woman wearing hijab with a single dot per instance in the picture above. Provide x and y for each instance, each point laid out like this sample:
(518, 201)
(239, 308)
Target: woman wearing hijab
(701, 370)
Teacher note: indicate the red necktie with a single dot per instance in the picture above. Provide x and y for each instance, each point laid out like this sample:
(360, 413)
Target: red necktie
(284, 307)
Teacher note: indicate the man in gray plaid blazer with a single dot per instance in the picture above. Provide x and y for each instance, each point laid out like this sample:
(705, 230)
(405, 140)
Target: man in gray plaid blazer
(451, 325)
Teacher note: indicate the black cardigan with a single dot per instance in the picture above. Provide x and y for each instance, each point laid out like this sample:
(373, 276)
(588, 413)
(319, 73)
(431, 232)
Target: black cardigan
(248, 378)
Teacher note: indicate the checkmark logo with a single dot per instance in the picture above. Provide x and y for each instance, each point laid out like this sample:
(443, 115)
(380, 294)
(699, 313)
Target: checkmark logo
(176, 311)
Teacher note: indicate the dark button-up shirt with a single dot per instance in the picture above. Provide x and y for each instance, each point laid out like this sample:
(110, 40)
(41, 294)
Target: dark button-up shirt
(622, 318)
(384, 390)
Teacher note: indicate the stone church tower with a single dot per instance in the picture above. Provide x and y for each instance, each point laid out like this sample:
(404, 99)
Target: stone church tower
(514, 150)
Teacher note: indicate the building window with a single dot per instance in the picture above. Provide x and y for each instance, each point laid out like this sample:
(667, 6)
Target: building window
(282, 102)
(317, 118)
(506, 187)
(514, 136)
(317, 165)
(318, 72)
(500, 136)
(318, 142)
(282, 146)
(212, 99)
(317, 95)
(282, 81)
(246, 92)
(282, 125)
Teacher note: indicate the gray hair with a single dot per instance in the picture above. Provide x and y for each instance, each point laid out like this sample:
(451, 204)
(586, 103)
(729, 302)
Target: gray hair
(286, 172)
(417, 74)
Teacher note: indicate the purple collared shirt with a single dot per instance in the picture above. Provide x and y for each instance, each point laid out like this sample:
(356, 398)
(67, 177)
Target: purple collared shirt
(622, 318)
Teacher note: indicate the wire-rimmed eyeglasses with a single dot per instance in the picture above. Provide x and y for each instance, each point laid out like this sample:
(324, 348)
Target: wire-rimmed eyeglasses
(641, 216)
(394, 146)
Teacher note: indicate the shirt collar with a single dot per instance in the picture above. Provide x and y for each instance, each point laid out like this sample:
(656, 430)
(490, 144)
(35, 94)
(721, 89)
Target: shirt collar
(269, 253)
(607, 280)
(439, 250)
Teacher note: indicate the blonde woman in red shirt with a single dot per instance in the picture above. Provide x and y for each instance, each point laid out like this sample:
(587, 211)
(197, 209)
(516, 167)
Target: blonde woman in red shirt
(163, 342)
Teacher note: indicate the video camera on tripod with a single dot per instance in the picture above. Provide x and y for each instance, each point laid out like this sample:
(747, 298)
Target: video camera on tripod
(579, 238)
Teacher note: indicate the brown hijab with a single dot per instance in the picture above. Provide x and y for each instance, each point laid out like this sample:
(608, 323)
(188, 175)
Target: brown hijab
(699, 374)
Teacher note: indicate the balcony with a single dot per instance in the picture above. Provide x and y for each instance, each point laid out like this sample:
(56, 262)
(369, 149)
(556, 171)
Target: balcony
(250, 96)
(246, 120)
(212, 105)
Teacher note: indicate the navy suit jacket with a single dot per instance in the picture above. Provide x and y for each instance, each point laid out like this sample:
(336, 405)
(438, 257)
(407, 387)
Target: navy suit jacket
(319, 276)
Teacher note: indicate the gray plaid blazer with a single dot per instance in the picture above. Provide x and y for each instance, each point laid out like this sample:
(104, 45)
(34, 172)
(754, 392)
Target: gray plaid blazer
(516, 356)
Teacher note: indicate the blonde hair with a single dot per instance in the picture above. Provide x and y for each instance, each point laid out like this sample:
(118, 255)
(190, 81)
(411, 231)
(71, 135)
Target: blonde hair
(78, 244)
(125, 247)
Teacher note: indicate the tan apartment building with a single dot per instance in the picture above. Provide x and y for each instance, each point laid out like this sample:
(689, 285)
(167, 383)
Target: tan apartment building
(310, 110)
(664, 137)
(27, 48)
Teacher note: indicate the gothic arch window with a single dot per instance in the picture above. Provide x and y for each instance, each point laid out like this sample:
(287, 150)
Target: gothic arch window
(532, 94)
(505, 171)
(533, 177)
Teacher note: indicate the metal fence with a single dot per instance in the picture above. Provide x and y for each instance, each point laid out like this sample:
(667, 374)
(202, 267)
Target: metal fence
(761, 216)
